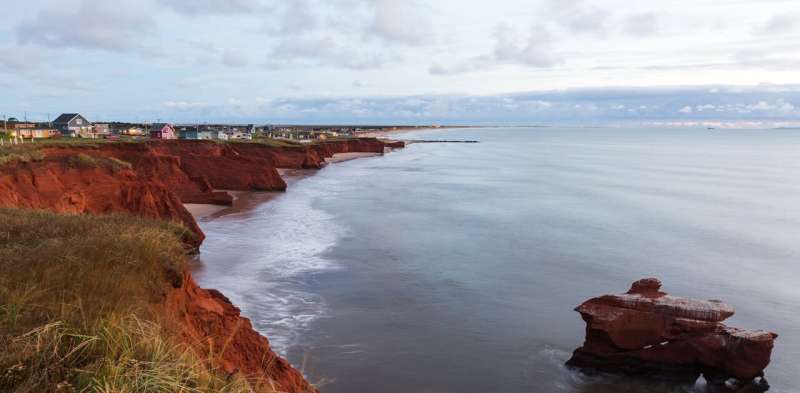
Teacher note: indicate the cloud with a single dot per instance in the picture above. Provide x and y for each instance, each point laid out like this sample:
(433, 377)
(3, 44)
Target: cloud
(536, 50)
(93, 24)
(322, 51)
(212, 7)
(582, 18)
(475, 64)
(780, 24)
(183, 105)
(401, 21)
(298, 16)
(21, 57)
(641, 24)
(571, 106)
(233, 58)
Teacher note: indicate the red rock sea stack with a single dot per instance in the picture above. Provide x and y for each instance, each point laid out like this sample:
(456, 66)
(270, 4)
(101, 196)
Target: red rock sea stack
(649, 333)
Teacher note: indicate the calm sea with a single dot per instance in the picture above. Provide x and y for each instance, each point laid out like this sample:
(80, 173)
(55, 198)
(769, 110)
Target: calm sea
(455, 267)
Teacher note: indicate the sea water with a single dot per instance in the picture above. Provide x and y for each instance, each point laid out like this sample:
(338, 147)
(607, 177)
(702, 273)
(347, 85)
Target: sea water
(454, 267)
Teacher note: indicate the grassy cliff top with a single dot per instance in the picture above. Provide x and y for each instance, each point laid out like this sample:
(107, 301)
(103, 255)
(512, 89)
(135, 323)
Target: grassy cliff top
(76, 307)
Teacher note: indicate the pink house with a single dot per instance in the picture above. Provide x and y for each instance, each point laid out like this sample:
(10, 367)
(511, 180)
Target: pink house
(163, 131)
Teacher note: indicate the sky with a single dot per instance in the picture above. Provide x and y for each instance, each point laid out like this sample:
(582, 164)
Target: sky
(592, 62)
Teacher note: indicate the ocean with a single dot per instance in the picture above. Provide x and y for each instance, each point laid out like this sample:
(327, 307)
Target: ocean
(449, 267)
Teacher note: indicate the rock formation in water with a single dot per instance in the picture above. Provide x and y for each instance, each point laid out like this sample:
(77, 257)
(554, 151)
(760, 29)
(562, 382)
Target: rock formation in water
(649, 333)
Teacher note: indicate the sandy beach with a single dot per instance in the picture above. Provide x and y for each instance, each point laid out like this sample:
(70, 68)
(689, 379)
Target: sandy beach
(243, 200)
(200, 211)
(341, 157)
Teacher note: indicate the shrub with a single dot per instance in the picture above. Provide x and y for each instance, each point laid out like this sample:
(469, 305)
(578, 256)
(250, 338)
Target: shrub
(11, 156)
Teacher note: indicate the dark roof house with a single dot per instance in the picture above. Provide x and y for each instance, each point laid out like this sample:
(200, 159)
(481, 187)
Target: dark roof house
(71, 124)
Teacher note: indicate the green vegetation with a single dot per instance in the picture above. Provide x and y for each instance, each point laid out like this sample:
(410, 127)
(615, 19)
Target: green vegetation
(32, 151)
(270, 142)
(83, 160)
(8, 157)
(76, 307)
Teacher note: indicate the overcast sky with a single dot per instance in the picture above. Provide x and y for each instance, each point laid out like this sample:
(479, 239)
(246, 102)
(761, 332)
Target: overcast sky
(403, 61)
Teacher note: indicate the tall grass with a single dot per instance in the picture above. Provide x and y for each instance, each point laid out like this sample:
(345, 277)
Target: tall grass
(76, 307)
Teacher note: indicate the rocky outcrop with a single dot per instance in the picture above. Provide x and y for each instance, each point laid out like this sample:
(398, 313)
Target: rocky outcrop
(207, 321)
(650, 333)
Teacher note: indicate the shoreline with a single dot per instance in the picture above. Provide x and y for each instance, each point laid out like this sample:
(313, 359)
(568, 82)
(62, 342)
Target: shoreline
(385, 134)
(245, 200)
(244, 206)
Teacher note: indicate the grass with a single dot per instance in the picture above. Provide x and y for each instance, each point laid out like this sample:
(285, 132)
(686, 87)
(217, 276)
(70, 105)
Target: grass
(76, 307)
(32, 151)
(20, 156)
(83, 160)
(270, 142)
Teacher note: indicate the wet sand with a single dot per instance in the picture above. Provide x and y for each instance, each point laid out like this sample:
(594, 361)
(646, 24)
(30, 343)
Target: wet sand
(341, 157)
(200, 211)
(246, 200)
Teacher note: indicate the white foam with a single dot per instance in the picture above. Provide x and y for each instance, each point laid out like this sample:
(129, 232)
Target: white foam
(260, 259)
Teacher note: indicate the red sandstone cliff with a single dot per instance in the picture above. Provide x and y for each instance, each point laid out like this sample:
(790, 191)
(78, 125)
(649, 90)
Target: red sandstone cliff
(66, 187)
(162, 174)
(214, 327)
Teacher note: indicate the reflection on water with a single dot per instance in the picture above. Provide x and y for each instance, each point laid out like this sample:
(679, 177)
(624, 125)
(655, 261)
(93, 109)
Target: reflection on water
(455, 267)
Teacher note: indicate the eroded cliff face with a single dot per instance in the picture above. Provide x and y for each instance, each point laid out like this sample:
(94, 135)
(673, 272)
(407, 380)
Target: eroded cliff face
(162, 176)
(215, 328)
(66, 187)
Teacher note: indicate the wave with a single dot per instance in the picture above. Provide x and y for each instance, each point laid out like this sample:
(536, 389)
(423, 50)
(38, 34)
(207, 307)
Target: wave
(262, 260)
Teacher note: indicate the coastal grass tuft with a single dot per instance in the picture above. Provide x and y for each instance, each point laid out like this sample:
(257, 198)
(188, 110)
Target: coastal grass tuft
(8, 157)
(77, 296)
(82, 160)
(272, 142)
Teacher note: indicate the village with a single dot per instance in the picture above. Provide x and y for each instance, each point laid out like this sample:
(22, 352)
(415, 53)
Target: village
(74, 125)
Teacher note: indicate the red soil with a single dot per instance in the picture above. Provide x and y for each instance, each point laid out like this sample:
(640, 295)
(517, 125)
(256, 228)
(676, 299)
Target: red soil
(214, 327)
(67, 188)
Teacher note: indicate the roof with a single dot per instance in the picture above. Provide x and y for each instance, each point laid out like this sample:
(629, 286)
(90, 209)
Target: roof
(65, 117)
(159, 126)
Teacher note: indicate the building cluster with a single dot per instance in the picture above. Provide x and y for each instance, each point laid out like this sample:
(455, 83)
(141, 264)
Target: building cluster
(76, 126)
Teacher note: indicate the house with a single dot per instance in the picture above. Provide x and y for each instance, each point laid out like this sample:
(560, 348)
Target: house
(189, 134)
(241, 136)
(101, 129)
(163, 131)
(206, 134)
(72, 124)
(32, 130)
(133, 131)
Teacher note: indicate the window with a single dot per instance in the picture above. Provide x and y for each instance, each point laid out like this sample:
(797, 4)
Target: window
(79, 121)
